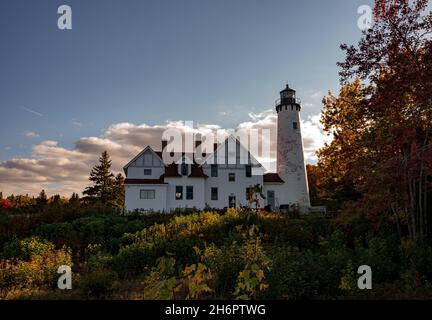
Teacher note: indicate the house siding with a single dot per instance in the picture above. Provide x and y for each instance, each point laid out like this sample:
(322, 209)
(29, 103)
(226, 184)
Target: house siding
(133, 200)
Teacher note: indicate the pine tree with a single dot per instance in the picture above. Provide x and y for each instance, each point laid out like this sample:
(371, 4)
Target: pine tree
(74, 199)
(103, 181)
(56, 199)
(42, 199)
(119, 191)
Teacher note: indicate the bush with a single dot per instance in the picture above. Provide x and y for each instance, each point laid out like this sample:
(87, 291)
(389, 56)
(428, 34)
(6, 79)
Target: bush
(226, 264)
(292, 232)
(99, 282)
(418, 256)
(383, 255)
(31, 264)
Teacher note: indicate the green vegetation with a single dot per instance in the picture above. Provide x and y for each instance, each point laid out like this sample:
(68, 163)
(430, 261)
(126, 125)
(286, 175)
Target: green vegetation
(375, 177)
(209, 255)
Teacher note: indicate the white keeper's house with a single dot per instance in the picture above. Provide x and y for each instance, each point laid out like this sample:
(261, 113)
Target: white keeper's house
(154, 185)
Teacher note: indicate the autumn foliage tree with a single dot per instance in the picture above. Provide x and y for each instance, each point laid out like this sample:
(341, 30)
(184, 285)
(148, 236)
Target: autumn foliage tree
(382, 119)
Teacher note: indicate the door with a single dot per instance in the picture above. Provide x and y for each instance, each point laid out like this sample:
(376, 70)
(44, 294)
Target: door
(271, 198)
(232, 201)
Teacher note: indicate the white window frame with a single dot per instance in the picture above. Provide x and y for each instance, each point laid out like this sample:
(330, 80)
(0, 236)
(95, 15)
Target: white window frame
(147, 193)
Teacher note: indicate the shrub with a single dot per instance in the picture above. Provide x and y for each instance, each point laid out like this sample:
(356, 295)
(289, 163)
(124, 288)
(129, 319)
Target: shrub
(251, 280)
(226, 264)
(31, 264)
(99, 282)
(162, 282)
(417, 256)
(383, 255)
(301, 275)
(133, 259)
(292, 232)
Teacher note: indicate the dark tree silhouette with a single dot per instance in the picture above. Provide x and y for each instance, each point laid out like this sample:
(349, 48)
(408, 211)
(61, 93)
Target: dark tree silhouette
(105, 188)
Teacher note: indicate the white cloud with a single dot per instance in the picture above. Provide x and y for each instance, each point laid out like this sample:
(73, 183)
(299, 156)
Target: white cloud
(77, 123)
(317, 95)
(31, 134)
(65, 170)
(313, 137)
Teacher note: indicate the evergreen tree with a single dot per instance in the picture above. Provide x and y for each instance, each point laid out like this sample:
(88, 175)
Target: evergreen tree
(119, 191)
(74, 199)
(42, 199)
(56, 199)
(103, 181)
(1, 195)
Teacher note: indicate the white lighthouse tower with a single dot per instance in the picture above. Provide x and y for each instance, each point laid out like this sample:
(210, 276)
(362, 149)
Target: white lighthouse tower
(290, 158)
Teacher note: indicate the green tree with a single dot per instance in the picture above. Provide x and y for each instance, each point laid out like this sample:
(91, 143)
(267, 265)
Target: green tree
(102, 181)
(74, 199)
(106, 188)
(42, 199)
(119, 191)
(23, 201)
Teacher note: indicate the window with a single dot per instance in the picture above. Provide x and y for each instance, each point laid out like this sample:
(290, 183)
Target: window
(232, 201)
(248, 171)
(214, 170)
(231, 177)
(295, 125)
(189, 192)
(147, 172)
(179, 193)
(147, 194)
(214, 193)
(184, 169)
(248, 195)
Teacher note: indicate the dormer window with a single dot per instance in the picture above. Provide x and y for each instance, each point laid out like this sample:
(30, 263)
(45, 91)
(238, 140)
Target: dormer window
(214, 170)
(248, 171)
(231, 177)
(184, 169)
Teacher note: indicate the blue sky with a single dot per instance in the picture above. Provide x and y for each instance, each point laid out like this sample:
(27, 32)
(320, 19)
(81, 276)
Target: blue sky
(151, 61)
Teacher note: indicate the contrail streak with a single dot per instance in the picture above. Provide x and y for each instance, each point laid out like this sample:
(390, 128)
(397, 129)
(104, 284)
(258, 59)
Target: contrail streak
(32, 111)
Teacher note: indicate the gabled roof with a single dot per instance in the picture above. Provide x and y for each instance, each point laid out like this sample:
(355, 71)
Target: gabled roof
(171, 170)
(157, 154)
(253, 160)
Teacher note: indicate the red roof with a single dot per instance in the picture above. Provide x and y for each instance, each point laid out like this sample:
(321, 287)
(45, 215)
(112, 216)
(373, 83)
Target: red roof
(172, 171)
(145, 181)
(273, 177)
(159, 154)
(197, 172)
(177, 156)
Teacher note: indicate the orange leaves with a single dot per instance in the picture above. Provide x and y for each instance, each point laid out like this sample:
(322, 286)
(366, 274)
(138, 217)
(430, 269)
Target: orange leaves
(5, 204)
(196, 277)
(385, 9)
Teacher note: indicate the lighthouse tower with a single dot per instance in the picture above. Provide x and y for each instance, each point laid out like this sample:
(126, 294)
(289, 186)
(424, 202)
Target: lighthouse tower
(290, 159)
